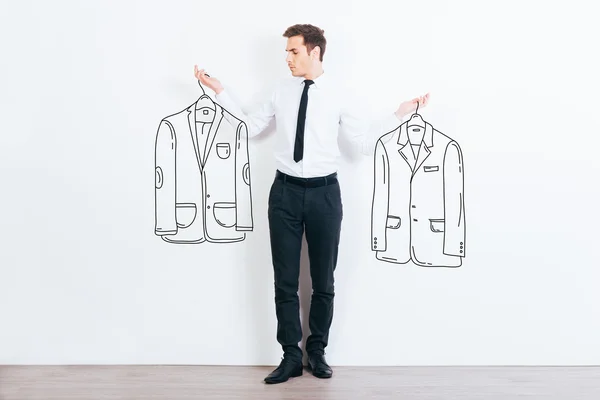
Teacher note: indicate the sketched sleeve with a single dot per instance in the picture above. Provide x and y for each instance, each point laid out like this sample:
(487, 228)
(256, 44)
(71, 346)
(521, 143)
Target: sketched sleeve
(379, 210)
(165, 185)
(243, 194)
(454, 204)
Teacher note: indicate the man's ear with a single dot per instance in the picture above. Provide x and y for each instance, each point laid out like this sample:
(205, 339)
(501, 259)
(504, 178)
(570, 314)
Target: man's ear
(316, 50)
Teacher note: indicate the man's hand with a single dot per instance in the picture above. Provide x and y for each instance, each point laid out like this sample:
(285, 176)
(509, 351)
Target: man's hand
(208, 81)
(410, 106)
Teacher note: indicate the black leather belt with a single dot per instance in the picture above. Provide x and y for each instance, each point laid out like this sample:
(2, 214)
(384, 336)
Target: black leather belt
(307, 182)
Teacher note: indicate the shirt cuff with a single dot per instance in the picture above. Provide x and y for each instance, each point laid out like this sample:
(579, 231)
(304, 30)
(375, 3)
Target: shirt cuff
(227, 102)
(223, 97)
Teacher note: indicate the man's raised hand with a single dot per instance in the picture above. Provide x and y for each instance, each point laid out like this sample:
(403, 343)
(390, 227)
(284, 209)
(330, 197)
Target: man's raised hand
(208, 81)
(410, 106)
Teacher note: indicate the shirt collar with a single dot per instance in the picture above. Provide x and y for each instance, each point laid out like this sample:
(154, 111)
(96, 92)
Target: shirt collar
(318, 81)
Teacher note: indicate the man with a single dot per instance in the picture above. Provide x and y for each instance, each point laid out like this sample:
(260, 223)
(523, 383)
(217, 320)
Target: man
(305, 196)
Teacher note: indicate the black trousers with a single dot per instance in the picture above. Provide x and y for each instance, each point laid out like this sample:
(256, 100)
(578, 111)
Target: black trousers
(312, 206)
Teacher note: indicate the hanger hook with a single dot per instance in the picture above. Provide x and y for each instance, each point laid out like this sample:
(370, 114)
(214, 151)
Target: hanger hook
(201, 88)
(417, 110)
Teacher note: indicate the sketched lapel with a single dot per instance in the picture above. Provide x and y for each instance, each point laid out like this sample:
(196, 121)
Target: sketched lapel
(192, 124)
(218, 117)
(424, 151)
(406, 151)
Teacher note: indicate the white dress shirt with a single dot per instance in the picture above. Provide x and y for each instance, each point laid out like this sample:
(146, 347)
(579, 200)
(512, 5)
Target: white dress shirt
(330, 112)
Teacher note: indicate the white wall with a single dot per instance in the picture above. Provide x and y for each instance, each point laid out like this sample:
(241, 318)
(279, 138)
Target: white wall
(83, 278)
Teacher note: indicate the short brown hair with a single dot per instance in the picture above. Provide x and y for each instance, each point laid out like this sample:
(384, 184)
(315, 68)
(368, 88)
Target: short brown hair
(312, 35)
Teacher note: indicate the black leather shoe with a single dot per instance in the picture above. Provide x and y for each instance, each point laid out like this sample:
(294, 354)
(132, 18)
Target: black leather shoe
(287, 369)
(318, 366)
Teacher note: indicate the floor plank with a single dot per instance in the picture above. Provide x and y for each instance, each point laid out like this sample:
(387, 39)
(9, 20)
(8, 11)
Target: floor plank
(232, 383)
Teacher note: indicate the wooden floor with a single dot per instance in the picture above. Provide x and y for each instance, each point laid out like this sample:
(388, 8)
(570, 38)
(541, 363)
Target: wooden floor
(405, 383)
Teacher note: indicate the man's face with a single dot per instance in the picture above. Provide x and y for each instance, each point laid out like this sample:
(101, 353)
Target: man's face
(298, 59)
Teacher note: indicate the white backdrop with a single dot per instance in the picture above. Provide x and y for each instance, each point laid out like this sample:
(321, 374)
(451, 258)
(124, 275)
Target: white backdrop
(83, 278)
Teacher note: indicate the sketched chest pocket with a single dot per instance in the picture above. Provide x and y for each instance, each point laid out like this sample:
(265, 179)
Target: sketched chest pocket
(223, 150)
(431, 168)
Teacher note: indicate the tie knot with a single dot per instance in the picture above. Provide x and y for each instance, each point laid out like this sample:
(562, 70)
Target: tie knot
(308, 82)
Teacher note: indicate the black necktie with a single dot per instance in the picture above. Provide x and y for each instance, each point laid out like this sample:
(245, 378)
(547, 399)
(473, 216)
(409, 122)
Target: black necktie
(299, 143)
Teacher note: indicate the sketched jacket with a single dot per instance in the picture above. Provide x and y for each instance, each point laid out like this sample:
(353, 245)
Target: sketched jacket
(202, 176)
(418, 214)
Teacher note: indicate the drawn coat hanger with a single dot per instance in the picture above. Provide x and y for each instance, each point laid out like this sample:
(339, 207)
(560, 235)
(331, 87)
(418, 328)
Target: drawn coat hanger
(416, 119)
(204, 100)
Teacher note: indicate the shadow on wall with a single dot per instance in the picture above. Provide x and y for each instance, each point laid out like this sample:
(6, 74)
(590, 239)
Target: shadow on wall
(260, 280)
(304, 292)
(259, 283)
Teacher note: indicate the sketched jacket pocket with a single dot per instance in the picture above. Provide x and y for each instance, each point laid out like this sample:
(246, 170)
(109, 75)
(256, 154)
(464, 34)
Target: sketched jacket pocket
(431, 168)
(393, 222)
(223, 150)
